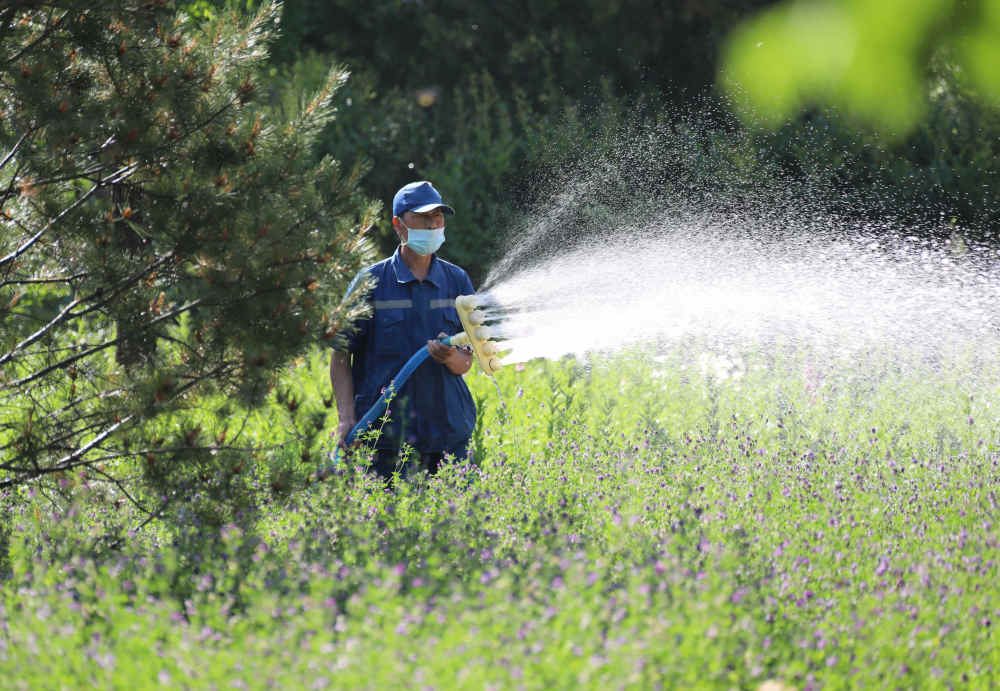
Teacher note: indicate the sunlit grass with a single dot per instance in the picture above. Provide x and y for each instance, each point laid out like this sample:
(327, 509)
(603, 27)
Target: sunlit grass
(637, 521)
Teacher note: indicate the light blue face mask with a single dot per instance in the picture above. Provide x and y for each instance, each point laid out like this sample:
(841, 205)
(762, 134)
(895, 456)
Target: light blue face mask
(424, 241)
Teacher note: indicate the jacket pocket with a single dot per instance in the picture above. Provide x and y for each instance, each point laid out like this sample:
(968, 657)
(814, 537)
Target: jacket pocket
(390, 331)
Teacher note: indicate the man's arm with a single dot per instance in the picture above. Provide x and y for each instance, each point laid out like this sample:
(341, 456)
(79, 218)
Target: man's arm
(343, 391)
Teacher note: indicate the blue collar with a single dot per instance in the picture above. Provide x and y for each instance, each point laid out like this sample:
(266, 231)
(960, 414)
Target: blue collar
(403, 274)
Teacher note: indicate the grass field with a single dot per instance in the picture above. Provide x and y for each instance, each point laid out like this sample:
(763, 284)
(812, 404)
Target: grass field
(638, 522)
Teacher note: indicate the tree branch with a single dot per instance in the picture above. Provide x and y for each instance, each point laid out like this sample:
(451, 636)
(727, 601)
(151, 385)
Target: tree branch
(79, 356)
(10, 155)
(9, 192)
(187, 449)
(78, 175)
(64, 314)
(36, 281)
(53, 415)
(41, 332)
(26, 246)
(57, 442)
(121, 488)
(49, 26)
(70, 460)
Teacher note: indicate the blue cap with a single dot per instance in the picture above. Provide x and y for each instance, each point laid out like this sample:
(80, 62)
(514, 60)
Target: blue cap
(419, 197)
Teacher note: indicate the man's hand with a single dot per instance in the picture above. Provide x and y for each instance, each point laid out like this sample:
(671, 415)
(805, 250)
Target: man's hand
(457, 361)
(344, 428)
(439, 351)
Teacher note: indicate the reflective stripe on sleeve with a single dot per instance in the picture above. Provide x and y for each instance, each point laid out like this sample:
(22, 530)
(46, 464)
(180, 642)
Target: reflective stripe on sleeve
(393, 304)
(441, 303)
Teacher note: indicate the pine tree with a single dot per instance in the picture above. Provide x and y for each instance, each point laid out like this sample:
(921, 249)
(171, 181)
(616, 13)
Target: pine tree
(161, 240)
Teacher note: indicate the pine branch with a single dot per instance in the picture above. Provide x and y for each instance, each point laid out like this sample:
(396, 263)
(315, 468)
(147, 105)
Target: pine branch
(96, 349)
(70, 460)
(11, 186)
(49, 27)
(53, 415)
(42, 281)
(30, 473)
(10, 154)
(65, 314)
(57, 442)
(41, 332)
(80, 175)
(67, 462)
(27, 245)
(187, 449)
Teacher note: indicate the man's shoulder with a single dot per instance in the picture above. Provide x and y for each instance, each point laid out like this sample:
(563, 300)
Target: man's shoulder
(379, 266)
(375, 271)
(450, 268)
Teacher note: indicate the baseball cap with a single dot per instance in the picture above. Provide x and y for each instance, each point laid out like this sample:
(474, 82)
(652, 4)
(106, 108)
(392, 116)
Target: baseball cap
(420, 197)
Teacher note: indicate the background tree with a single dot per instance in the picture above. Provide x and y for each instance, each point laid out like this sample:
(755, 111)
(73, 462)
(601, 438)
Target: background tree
(466, 92)
(166, 246)
(496, 90)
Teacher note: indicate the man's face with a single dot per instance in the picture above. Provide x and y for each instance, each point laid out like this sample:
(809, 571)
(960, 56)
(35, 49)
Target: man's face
(431, 219)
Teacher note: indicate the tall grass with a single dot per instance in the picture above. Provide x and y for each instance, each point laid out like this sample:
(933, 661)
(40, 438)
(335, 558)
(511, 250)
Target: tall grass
(632, 522)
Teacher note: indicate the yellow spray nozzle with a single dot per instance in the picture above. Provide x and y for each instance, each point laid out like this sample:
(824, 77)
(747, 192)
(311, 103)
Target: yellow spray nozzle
(478, 335)
(476, 317)
(459, 339)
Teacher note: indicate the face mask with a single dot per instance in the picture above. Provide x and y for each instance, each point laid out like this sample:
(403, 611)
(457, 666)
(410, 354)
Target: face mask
(424, 241)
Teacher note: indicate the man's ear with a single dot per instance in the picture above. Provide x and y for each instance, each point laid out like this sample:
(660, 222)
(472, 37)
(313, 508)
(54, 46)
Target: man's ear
(398, 227)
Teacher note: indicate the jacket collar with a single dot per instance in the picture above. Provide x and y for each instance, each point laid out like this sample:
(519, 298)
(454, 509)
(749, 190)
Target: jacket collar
(403, 274)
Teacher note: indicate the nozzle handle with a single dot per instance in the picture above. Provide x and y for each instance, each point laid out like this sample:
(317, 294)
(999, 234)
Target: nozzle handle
(459, 339)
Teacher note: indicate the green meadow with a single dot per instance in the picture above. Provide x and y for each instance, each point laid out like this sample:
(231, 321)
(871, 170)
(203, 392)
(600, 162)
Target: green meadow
(632, 521)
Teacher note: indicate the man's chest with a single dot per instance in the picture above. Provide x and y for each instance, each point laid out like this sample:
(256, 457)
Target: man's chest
(411, 313)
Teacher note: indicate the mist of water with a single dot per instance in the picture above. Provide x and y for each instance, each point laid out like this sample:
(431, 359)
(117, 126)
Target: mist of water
(739, 287)
(668, 273)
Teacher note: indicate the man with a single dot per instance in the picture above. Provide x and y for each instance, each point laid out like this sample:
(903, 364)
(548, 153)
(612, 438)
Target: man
(413, 304)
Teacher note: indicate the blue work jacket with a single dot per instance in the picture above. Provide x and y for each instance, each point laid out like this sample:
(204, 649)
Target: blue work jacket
(433, 411)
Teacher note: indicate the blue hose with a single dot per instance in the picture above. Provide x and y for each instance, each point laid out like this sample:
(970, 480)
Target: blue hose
(391, 390)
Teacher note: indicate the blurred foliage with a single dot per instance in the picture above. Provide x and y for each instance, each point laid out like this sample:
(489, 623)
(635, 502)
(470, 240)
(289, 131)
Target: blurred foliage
(465, 93)
(869, 58)
(940, 177)
(544, 47)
